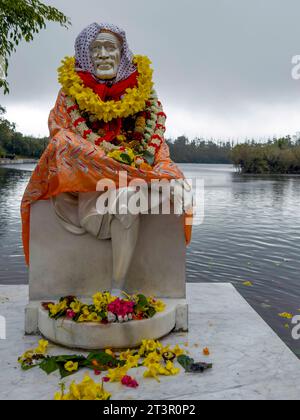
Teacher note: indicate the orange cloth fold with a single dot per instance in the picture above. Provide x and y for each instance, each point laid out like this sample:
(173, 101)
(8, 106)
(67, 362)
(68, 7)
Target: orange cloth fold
(72, 164)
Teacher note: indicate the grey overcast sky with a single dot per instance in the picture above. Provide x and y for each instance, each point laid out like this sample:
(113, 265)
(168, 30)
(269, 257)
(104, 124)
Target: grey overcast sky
(222, 67)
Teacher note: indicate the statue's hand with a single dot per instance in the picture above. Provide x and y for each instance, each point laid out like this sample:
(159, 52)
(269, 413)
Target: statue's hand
(181, 196)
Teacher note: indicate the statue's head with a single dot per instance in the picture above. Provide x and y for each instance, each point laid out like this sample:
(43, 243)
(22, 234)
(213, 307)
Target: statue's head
(106, 52)
(102, 50)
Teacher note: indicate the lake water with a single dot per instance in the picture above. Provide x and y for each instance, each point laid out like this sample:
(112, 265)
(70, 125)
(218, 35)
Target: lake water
(251, 233)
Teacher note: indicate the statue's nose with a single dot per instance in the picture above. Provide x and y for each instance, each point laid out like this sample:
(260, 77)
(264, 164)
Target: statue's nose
(103, 52)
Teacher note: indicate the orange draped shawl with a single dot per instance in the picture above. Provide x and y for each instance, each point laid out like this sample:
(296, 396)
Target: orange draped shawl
(72, 164)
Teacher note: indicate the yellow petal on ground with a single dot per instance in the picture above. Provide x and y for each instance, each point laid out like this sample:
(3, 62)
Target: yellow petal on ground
(285, 315)
(248, 283)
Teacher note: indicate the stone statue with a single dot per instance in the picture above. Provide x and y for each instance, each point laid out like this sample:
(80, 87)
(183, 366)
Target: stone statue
(107, 119)
(78, 213)
(107, 125)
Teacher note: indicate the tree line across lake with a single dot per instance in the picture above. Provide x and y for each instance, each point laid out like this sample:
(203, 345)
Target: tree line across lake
(275, 156)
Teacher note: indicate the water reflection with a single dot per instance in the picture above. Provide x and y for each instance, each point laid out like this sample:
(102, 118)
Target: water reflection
(251, 232)
(12, 185)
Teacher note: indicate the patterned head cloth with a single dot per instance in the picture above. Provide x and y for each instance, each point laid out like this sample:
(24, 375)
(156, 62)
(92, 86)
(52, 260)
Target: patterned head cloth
(83, 56)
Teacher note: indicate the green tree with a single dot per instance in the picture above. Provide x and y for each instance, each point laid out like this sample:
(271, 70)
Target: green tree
(22, 19)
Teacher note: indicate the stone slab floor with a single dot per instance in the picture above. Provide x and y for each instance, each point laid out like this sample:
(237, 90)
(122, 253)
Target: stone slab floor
(250, 361)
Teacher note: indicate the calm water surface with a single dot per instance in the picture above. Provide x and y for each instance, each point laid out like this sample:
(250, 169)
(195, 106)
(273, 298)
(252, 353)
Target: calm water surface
(251, 232)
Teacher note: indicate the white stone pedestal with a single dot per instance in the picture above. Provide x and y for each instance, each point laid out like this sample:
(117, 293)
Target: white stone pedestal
(91, 335)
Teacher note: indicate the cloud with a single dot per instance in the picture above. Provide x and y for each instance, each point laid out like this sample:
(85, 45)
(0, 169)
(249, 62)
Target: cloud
(222, 67)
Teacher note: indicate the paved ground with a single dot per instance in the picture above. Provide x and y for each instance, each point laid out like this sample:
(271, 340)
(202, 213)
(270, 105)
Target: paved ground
(250, 361)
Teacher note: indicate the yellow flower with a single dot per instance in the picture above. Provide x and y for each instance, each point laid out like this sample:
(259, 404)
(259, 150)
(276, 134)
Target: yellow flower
(71, 366)
(75, 390)
(59, 396)
(42, 347)
(248, 283)
(132, 361)
(27, 355)
(55, 309)
(83, 318)
(153, 372)
(86, 390)
(119, 155)
(101, 300)
(116, 374)
(110, 352)
(76, 306)
(165, 349)
(157, 304)
(124, 355)
(93, 317)
(149, 346)
(286, 315)
(169, 369)
(152, 359)
(178, 351)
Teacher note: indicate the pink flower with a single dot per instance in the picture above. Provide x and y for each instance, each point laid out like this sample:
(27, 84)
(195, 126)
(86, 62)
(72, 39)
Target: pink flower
(129, 382)
(70, 314)
(120, 307)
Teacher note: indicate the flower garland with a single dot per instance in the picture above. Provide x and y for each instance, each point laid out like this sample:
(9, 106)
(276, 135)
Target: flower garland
(149, 132)
(132, 102)
(105, 308)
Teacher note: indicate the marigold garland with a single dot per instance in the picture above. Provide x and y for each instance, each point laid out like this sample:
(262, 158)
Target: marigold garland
(132, 102)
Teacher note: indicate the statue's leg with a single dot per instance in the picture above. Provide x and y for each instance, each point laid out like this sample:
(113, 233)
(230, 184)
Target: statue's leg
(65, 206)
(124, 239)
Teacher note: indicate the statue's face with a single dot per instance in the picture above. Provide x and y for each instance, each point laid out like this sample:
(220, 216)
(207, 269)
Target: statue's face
(106, 55)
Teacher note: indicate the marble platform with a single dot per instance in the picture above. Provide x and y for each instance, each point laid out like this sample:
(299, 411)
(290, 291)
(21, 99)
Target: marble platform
(250, 361)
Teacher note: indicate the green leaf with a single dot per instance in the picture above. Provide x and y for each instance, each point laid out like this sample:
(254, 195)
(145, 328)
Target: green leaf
(149, 158)
(142, 300)
(28, 367)
(49, 365)
(104, 360)
(151, 312)
(185, 361)
(69, 358)
(190, 366)
(126, 158)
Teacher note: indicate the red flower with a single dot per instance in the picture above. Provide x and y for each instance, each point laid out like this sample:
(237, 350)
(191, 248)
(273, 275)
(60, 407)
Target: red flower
(129, 382)
(121, 307)
(70, 314)
(97, 372)
(106, 379)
